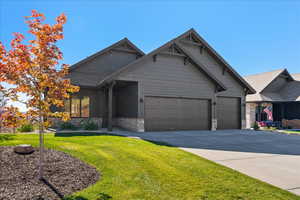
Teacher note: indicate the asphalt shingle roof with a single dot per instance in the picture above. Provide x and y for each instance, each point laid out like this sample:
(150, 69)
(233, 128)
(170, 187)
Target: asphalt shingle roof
(289, 92)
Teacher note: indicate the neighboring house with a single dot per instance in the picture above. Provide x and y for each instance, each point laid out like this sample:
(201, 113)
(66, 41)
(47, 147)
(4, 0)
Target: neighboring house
(183, 85)
(279, 91)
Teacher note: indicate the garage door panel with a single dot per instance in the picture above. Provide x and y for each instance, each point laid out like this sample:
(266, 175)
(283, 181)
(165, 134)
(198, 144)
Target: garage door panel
(229, 113)
(163, 113)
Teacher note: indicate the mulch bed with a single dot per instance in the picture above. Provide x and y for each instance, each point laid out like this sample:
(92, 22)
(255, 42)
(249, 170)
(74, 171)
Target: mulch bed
(63, 175)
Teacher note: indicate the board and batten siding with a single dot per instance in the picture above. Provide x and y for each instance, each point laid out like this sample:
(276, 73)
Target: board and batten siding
(169, 77)
(218, 69)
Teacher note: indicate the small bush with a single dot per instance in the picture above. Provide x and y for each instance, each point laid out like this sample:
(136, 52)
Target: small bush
(90, 125)
(68, 126)
(25, 128)
(255, 126)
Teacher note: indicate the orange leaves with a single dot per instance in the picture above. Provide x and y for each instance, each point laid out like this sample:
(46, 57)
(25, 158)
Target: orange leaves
(17, 40)
(61, 19)
(11, 117)
(32, 69)
(36, 14)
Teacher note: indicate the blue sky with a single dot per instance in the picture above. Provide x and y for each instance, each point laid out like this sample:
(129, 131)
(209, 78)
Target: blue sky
(253, 36)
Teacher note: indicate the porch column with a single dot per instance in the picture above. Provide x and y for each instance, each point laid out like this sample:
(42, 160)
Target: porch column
(110, 105)
(282, 111)
(259, 112)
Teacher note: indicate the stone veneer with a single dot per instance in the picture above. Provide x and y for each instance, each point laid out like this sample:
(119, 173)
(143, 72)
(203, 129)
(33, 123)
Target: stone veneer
(250, 114)
(56, 122)
(214, 124)
(132, 124)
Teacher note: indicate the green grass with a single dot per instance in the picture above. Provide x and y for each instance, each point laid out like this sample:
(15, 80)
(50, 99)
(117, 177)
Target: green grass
(133, 169)
(291, 132)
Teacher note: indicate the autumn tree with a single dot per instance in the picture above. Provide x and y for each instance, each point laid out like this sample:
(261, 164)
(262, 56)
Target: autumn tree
(33, 69)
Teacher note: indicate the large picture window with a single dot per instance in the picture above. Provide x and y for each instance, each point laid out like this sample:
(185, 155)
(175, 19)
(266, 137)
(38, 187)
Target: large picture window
(78, 106)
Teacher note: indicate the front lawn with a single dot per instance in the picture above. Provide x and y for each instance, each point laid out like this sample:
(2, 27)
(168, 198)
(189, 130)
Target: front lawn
(133, 169)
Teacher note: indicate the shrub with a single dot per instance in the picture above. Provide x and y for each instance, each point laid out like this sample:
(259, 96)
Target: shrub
(255, 126)
(90, 125)
(68, 126)
(25, 128)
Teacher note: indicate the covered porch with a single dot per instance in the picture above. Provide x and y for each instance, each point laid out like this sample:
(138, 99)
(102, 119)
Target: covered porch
(122, 106)
(275, 114)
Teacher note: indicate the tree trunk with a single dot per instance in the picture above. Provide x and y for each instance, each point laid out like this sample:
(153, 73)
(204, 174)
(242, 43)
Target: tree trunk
(41, 135)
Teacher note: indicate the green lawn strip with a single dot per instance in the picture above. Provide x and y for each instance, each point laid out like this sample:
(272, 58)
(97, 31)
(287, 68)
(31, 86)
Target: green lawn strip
(291, 132)
(136, 169)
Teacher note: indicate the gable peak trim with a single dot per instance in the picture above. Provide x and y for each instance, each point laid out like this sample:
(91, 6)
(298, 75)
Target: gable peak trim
(108, 49)
(283, 71)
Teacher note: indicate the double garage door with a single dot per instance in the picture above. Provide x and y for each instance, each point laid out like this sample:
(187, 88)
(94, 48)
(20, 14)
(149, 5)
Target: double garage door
(167, 113)
(176, 114)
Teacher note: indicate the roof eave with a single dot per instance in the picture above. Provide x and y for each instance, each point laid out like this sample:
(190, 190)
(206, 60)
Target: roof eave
(74, 66)
(251, 90)
(283, 70)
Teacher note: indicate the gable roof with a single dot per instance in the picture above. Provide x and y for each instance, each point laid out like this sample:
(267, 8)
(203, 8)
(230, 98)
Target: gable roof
(222, 60)
(175, 41)
(220, 85)
(263, 80)
(296, 76)
(289, 92)
(107, 49)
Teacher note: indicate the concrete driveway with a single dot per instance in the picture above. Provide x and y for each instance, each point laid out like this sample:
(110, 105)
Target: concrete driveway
(268, 156)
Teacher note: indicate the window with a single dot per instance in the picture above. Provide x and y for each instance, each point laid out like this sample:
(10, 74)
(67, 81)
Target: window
(78, 106)
(75, 107)
(85, 107)
(67, 105)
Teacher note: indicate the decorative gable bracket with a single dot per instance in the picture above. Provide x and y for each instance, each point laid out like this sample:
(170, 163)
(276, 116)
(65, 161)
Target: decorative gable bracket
(154, 58)
(192, 40)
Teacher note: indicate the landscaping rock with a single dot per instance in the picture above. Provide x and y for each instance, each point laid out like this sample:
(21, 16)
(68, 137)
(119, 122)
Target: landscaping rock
(24, 149)
(63, 175)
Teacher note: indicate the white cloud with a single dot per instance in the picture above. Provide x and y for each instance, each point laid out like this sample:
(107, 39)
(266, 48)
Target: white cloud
(22, 97)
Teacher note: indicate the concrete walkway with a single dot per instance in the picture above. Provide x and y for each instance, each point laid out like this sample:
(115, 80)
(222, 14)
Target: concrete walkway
(271, 157)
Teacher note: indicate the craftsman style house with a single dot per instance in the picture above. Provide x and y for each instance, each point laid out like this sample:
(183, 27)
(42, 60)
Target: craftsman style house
(183, 85)
(279, 92)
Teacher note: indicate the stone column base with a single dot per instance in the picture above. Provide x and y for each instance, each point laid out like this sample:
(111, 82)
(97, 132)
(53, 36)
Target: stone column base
(132, 124)
(214, 124)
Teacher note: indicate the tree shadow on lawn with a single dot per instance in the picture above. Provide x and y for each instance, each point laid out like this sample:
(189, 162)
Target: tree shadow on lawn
(101, 196)
(6, 137)
(160, 143)
(83, 133)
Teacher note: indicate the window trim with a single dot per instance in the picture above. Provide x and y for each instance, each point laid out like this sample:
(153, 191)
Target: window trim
(89, 113)
(80, 107)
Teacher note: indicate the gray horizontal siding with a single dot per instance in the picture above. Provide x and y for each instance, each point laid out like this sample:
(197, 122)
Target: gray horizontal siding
(92, 71)
(169, 76)
(214, 66)
(234, 87)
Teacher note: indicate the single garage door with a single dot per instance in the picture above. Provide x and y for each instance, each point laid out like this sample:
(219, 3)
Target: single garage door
(163, 113)
(229, 113)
